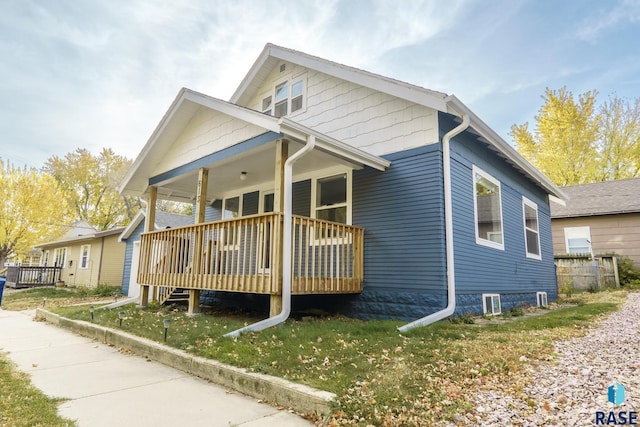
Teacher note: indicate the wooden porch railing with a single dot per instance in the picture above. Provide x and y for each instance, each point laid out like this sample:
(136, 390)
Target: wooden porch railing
(20, 276)
(243, 254)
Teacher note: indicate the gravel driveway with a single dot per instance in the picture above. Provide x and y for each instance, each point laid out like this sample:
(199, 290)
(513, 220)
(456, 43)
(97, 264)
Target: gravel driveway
(570, 389)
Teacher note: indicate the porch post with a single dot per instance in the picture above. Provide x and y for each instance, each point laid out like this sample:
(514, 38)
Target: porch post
(282, 153)
(201, 204)
(149, 225)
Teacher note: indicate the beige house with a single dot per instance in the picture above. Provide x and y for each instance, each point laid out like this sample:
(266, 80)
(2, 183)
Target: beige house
(88, 257)
(602, 217)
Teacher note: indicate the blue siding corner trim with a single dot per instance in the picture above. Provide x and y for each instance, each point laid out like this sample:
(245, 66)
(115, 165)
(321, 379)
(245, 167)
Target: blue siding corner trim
(238, 148)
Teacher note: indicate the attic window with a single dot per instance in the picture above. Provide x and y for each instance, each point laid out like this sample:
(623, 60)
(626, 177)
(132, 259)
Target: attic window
(287, 97)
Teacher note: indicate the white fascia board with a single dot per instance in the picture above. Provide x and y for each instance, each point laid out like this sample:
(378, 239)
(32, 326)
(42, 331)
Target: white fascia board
(126, 233)
(333, 146)
(409, 92)
(173, 108)
(418, 95)
(253, 72)
(245, 114)
(457, 108)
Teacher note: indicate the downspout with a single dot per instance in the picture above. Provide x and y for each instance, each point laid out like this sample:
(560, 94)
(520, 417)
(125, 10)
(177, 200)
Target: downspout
(448, 219)
(286, 246)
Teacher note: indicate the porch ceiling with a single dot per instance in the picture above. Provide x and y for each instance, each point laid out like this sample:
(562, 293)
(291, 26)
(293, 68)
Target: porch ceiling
(259, 164)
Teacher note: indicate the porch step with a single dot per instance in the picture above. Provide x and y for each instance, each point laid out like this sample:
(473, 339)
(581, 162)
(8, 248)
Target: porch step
(179, 295)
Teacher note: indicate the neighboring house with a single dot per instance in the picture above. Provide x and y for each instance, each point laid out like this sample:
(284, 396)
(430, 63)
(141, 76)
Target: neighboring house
(384, 187)
(603, 216)
(131, 237)
(88, 257)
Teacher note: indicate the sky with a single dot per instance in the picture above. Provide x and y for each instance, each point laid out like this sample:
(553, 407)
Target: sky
(102, 73)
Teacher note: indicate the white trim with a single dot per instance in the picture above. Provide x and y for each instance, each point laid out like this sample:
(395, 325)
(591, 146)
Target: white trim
(541, 298)
(81, 257)
(526, 202)
(479, 240)
(64, 257)
(492, 297)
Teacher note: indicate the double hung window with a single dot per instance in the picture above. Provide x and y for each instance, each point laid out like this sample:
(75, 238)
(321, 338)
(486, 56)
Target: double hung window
(531, 230)
(487, 209)
(287, 97)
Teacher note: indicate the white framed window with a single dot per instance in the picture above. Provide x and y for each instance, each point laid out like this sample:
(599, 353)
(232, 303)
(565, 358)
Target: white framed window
(84, 256)
(59, 256)
(542, 299)
(331, 198)
(487, 208)
(578, 240)
(45, 259)
(230, 235)
(531, 228)
(491, 304)
(288, 97)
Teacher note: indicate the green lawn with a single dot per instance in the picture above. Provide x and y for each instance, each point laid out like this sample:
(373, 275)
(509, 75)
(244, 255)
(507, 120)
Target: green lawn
(381, 376)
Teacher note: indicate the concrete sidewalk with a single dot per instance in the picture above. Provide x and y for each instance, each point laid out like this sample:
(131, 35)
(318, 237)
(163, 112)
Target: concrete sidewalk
(107, 388)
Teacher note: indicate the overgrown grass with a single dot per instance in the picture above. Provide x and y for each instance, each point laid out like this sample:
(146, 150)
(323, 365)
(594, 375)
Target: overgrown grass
(21, 404)
(381, 377)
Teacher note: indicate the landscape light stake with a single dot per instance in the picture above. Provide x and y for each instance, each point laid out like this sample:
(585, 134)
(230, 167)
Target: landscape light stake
(44, 301)
(166, 322)
(121, 317)
(91, 310)
(115, 296)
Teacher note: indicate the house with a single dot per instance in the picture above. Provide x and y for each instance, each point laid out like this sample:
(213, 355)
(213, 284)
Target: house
(603, 217)
(87, 257)
(347, 190)
(131, 237)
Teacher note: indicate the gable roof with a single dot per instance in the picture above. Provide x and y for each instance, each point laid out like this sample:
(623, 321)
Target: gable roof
(73, 237)
(163, 220)
(600, 198)
(272, 55)
(188, 102)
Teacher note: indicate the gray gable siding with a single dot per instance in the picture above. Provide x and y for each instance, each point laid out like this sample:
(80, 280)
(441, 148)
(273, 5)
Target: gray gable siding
(480, 269)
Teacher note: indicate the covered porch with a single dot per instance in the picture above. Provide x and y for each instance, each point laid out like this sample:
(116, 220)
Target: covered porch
(242, 193)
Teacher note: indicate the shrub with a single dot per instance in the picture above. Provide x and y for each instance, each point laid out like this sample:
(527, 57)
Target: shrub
(627, 271)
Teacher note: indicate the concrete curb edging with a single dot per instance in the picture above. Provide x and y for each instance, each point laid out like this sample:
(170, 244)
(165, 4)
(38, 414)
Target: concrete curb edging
(301, 398)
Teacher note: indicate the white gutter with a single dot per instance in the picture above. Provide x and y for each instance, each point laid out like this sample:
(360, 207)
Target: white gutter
(448, 218)
(286, 246)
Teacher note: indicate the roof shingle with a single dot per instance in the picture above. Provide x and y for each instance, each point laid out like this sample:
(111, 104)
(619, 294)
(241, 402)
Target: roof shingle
(599, 198)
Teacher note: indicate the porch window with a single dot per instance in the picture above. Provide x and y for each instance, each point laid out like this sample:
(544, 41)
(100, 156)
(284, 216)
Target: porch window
(84, 256)
(287, 97)
(59, 256)
(531, 230)
(231, 208)
(487, 209)
(578, 240)
(45, 259)
(331, 198)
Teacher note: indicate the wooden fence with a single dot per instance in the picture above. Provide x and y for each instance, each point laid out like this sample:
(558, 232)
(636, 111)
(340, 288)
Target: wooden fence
(581, 272)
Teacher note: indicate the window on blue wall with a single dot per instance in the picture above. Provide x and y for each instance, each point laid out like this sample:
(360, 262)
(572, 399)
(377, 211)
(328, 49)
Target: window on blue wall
(487, 204)
(531, 230)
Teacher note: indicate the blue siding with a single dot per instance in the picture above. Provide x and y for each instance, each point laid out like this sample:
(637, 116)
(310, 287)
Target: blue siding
(403, 215)
(128, 255)
(480, 269)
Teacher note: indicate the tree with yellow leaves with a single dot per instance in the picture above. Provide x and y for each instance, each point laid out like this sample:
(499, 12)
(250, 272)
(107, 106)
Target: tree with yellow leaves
(574, 142)
(32, 209)
(90, 184)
